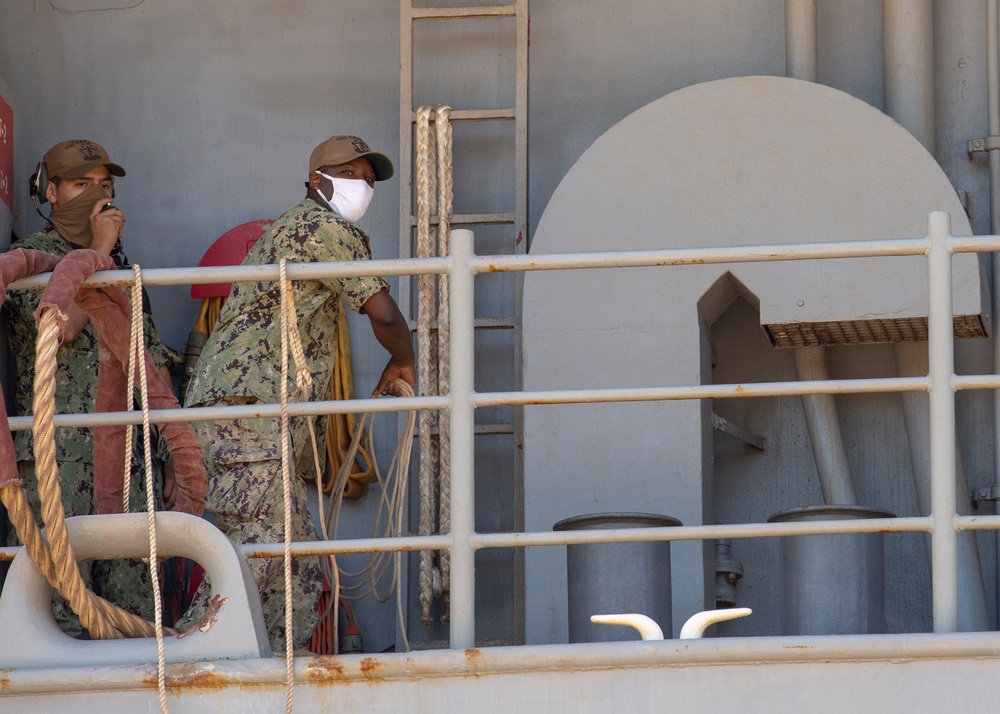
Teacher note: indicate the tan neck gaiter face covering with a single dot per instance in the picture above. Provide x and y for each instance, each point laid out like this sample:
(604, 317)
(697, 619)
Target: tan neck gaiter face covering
(72, 219)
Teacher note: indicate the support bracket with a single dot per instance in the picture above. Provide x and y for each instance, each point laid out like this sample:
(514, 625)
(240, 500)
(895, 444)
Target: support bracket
(744, 435)
(986, 144)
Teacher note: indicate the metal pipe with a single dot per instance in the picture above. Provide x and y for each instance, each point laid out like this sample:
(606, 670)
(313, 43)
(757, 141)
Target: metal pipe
(908, 43)
(481, 541)
(993, 121)
(463, 495)
(824, 431)
(912, 359)
(802, 62)
(425, 665)
(908, 66)
(941, 355)
(576, 396)
(763, 253)
(801, 55)
(525, 262)
(687, 533)
(707, 391)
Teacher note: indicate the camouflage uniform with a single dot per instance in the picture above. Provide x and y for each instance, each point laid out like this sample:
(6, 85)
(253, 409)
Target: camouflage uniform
(124, 582)
(241, 364)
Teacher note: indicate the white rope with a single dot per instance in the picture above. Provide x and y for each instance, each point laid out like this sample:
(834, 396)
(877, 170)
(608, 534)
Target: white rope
(425, 385)
(137, 358)
(389, 516)
(286, 482)
(442, 126)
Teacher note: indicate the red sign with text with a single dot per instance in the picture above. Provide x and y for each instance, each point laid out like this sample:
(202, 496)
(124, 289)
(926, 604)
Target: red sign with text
(6, 153)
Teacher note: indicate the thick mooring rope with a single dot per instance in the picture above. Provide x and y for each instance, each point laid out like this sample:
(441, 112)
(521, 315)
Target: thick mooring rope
(434, 170)
(104, 620)
(425, 375)
(442, 126)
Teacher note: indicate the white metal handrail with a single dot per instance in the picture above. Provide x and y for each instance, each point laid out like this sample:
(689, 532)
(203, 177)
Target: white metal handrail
(463, 265)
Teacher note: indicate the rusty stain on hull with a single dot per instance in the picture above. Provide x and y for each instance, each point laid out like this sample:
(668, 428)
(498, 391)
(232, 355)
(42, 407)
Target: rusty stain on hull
(325, 667)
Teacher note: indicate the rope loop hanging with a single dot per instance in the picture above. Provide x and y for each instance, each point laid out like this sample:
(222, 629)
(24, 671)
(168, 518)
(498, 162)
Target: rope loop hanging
(434, 195)
(442, 126)
(426, 384)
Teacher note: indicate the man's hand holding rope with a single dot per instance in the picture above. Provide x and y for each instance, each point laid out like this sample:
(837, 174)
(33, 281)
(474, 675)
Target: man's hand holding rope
(390, 329)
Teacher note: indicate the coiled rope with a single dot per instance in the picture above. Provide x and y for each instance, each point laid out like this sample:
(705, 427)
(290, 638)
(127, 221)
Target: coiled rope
(389, 516)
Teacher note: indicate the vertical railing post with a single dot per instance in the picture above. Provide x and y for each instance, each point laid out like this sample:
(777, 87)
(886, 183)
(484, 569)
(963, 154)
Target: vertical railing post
(941, 356)
(463, 500)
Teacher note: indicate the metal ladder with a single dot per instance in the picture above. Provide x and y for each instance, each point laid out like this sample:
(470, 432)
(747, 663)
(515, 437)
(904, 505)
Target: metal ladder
(517, 219)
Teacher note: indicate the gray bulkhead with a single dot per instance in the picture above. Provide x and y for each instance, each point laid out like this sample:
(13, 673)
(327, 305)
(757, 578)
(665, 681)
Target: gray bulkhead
(213, 108)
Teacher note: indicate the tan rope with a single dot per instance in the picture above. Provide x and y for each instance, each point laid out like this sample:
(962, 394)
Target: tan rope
(286, 482)
(442, 126)
(38, 550)
(137, 357)
(425, 385)
(70, 584)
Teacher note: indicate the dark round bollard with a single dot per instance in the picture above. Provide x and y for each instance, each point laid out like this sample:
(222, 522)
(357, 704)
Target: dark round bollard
(832, 584)
(615, 578)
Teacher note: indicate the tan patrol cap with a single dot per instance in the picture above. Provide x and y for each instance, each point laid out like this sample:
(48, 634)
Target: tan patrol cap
(341, 149)
(74, 158)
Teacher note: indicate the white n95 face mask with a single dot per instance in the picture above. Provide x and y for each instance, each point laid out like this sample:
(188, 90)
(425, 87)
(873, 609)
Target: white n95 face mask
(350, 199)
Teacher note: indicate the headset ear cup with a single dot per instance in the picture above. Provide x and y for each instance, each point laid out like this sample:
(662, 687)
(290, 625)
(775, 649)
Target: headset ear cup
(38, 183)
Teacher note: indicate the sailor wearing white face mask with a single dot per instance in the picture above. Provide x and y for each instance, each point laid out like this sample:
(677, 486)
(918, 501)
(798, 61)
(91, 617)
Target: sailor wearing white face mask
(239, 365)
(351, 193)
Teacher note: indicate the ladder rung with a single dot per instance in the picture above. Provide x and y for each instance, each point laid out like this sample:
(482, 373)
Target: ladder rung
(472, 219)
(494, 323)
(495, 114)
(481, 323)
(479, 429)
(445, 13)
(483, 114)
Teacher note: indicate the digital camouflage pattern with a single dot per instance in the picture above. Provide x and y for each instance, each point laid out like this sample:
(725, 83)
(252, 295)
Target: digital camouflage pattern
(242, 355)
(124, 582)
(240, 363)
(246, 498)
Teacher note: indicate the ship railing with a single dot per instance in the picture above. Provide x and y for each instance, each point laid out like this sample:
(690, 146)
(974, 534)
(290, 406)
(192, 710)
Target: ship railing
(464, 265)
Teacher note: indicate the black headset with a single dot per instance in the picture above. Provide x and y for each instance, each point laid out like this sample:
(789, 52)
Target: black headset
(38, 184)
